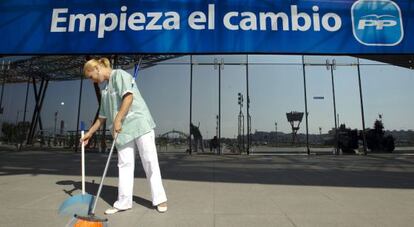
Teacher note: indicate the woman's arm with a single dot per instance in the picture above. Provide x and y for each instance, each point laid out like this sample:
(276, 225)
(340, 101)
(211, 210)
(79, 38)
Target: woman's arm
(126, 104)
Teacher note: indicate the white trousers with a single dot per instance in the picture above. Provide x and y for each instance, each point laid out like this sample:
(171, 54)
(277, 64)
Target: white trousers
(126, 163)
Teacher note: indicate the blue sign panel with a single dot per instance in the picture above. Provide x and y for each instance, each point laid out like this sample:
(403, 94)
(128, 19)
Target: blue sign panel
(204, 27)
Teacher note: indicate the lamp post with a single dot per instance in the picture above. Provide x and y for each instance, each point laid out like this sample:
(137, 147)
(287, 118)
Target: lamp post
(275, 133)
(56, 116)
(54, 131)
(217, 126)
(218, 133)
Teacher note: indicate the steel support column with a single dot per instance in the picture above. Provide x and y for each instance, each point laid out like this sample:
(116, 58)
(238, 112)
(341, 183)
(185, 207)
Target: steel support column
(39, 97)
(190, 141)
(364, 140)
(220, 67)
(334, 105)
(306, 105)
(248, 106)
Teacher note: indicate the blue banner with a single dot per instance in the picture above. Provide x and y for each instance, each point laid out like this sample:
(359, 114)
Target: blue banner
(204, 27)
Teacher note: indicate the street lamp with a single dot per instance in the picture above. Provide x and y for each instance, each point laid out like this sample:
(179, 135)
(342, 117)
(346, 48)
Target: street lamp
(217, 126)
(56, 115)
(54, 131)
(218, 133)
(276, 133)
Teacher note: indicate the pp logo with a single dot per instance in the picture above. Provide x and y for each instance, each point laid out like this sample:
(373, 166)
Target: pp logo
(377, 22)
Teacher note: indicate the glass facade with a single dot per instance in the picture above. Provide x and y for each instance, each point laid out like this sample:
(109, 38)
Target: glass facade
(245, 103)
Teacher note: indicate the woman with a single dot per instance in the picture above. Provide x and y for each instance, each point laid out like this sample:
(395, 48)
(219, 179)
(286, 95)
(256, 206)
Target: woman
(126, 113)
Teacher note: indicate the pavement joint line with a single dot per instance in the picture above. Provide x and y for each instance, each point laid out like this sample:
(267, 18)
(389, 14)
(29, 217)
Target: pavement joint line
(290, 219)
(39, 199)
(283, 212)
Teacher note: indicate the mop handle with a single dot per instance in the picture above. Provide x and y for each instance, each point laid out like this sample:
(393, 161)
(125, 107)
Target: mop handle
(104, 175)
(83, 162)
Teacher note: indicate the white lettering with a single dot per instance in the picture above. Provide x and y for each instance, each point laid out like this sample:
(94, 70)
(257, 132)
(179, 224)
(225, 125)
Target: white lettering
(379, 24)
(195, 18)
(337, 22)
(295, 20)
(113, 19)
(249, 22)
(274, 24)
(227, 22)
(134, 20)
(316, 20)
(152, 25)
(122, 20)
(56, 19)
(211, 17)
(172, 21)
(386, 23)
(82, 22)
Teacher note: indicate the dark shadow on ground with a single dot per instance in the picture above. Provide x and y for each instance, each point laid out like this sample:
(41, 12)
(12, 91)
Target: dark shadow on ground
(108, 193)
(376, 171)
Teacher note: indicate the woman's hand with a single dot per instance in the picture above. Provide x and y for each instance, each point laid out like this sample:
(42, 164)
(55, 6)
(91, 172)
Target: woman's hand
(85, 138)
(117, 126)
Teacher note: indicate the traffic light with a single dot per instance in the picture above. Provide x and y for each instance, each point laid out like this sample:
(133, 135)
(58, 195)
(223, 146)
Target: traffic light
(240, 99)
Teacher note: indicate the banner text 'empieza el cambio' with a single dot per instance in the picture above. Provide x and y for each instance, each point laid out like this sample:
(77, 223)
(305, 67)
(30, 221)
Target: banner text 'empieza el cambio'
(202, 27)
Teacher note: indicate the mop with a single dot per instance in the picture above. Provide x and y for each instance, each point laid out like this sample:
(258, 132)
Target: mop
(78, 204)
(90, 219)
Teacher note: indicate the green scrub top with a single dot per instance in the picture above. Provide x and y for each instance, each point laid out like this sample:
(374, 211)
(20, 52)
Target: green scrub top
(138, 120)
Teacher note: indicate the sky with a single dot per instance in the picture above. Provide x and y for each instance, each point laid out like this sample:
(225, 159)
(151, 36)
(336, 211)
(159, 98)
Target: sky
(275, 87)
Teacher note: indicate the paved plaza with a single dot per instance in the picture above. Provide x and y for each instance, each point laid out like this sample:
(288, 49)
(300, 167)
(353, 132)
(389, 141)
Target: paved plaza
(210, 190)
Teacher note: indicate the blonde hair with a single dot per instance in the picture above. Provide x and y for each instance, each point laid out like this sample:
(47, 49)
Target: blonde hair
(104, 62)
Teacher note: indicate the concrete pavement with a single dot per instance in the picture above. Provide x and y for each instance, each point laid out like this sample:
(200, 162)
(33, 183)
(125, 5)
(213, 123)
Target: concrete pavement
(210, 190)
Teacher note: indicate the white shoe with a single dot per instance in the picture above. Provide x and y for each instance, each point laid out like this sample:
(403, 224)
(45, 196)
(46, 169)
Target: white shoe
(162, 208)
(113, 210)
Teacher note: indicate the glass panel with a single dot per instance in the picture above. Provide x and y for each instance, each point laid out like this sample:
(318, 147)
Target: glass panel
(59, 113)
(13, 110)
(388, 97)
(233, 82)
(276, 90)
(320, 108)
(348, 109)
(205, 104)
(166, 90)
(339, 60)
(275, 59)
